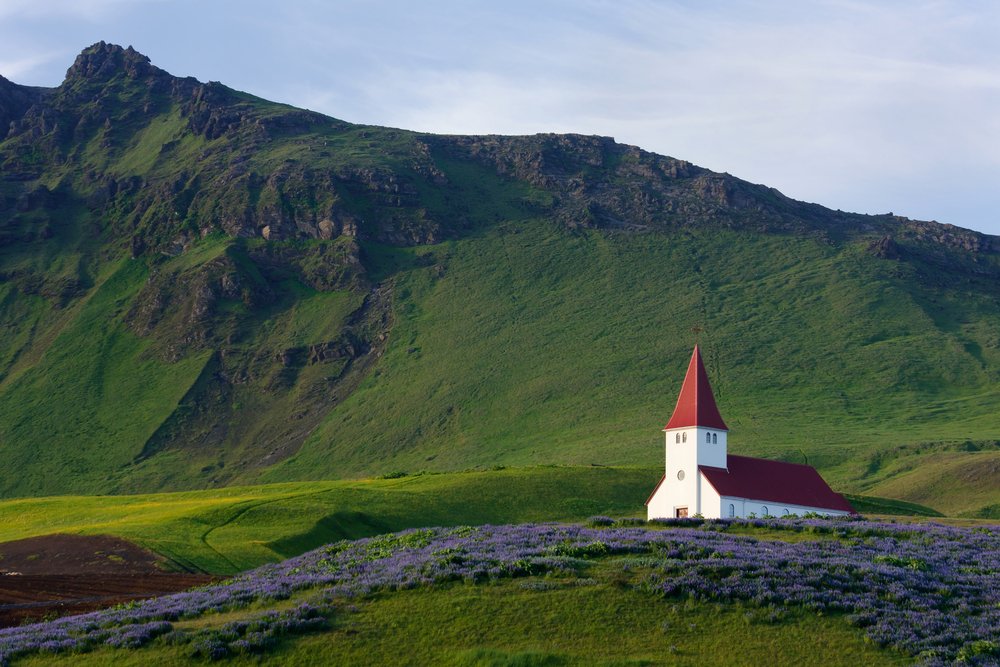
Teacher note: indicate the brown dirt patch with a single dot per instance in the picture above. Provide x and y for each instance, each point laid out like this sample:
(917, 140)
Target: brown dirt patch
(54, 575)
(76, 554)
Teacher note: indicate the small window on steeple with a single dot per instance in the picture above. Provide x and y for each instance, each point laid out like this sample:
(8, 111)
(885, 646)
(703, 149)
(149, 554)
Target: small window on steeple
(715, 438)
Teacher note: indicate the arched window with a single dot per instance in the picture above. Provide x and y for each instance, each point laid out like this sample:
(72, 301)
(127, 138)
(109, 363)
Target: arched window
(684, 437)
(732, 510)
(763, 510)
(715, 438)
(708, 438)
(785, 512)
(677, 437)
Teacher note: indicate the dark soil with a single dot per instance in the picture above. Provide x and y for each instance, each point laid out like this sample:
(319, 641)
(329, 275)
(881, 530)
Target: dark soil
(55, 575)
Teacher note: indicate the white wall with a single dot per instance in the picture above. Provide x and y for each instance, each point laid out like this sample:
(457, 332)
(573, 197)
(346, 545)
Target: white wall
(699, 442)
(660, 505)
(673, 492)
(711, 505)
(745, 507)
(695, 448)
(713, 453)
(711, 501)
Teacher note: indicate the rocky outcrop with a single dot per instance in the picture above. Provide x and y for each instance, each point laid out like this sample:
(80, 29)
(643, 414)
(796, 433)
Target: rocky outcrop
(949, 236)
(325, 267)
(600, 183)
(102, 61)
(384, 191)
(15, 100)
(884, 248)
(191, 310)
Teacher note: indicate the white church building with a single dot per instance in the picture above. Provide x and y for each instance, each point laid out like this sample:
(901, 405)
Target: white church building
(702, 478)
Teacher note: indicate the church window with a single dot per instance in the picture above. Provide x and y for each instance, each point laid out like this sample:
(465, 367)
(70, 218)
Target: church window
(732, 510)
(684, 437)
(715, 438)
(680, 475)
(784, 512)
(677, 437)
(763, 510)
(708, 438)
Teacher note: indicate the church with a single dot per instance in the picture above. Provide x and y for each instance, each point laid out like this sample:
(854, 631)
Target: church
(703, 479)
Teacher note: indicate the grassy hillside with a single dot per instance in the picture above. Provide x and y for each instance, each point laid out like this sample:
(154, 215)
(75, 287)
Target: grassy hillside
(790, 591)
(496, 357)
(963, 483)
(523, 345)
(200, 288)
(229, 530)
(535, 628)
(73, 395)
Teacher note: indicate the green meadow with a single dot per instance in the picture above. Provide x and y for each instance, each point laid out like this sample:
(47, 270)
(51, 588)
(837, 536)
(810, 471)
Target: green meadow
(224, 531)
(598, 620)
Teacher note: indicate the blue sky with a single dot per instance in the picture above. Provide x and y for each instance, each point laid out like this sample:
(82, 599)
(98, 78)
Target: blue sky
(862, 106)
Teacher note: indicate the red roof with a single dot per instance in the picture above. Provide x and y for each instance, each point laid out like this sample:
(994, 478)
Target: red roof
(696, 404)
(774, 481)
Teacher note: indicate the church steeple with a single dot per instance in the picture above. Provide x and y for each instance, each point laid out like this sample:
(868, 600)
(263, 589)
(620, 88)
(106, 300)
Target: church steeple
(696, 404)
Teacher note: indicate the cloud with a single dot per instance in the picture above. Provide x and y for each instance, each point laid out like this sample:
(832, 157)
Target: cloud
(16, 68)
(820, 103)
(63, 9)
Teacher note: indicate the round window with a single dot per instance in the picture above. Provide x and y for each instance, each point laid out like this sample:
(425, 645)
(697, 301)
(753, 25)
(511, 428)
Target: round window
(680, 474)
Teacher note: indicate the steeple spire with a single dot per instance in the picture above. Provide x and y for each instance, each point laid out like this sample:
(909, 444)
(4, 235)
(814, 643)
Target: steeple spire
(696, 404)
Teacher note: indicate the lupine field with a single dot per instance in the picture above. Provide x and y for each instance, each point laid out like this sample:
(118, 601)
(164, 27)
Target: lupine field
(928, 591)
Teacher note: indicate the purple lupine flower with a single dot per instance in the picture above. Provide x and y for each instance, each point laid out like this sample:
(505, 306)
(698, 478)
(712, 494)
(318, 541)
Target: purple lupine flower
(929, 590)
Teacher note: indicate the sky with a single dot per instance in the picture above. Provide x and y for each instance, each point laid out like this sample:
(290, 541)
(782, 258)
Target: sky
(872, 107)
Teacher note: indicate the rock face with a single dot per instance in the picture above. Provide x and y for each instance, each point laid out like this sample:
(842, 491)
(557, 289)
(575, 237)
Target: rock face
(598, 183)
(316, 192)
(15, 101)
(885, 248)
(102, 61)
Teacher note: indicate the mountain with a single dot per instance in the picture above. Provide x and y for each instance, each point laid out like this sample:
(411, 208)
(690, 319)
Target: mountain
(200, 287)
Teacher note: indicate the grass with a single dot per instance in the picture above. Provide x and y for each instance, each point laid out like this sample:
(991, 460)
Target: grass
(956, 483)
(90, 381)
(531, 345)
(74, 395)
(889, 506)
(495, 359)
(592, 625)
(227, 530)
(598, 619)
(150, 142)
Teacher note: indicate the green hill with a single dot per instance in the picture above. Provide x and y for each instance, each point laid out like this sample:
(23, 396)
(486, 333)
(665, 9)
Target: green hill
(229, 530)
(200, 288)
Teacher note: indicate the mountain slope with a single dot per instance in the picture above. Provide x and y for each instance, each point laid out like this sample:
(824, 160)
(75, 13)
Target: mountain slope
(200, 287)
